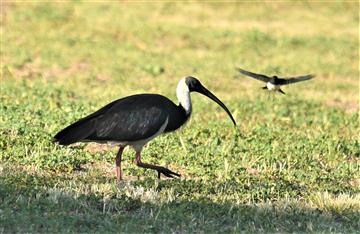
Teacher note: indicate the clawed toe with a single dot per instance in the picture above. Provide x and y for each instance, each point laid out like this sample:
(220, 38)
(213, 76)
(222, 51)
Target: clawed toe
(168, 173)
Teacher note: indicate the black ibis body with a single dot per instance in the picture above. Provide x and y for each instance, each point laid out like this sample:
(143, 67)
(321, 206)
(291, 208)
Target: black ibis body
(274, 83)
(135, 120)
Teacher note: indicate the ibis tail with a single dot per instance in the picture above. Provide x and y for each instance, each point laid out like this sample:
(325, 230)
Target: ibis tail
(77, 131)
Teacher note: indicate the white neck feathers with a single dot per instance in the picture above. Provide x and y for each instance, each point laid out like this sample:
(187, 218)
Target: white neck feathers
(183, 95)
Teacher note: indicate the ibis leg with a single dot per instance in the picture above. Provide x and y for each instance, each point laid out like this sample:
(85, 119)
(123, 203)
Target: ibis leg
(166, 172)
(281, 91)
(118, 164)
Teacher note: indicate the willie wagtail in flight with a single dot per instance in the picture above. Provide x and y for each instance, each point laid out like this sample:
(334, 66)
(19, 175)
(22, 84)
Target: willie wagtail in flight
(274, 83)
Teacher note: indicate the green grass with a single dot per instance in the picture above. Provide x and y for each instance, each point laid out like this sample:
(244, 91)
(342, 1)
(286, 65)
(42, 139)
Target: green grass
(291, 164)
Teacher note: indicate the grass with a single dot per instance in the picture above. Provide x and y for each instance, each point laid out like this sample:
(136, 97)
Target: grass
(291, 164)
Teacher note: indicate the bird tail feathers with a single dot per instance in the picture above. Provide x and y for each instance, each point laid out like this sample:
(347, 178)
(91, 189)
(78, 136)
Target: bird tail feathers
(77, 131)
(281, 91)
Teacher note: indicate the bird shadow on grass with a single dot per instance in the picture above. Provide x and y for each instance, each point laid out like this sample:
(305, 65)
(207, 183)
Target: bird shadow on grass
(42, 203)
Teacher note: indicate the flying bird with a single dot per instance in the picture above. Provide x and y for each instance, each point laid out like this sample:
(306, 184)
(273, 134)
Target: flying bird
(135, 120)
(274, 83)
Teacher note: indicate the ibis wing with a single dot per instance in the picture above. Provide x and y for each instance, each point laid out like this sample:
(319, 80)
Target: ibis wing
(128, 119)
(131, 124)
(254, 75)
(294, 79)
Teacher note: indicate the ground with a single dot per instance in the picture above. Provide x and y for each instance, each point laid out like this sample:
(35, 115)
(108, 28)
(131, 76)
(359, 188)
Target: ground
(290, 165)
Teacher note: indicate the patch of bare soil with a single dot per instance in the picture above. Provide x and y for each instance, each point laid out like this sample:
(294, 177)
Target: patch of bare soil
(5, 6)
(349, 107)
(34, 69)
(95, 148)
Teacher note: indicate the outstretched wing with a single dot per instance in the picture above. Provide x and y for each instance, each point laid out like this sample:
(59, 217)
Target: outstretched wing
(254, 75)
(292, 80)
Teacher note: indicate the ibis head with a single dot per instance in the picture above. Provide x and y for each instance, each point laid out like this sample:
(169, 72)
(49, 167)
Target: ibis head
(194, 85)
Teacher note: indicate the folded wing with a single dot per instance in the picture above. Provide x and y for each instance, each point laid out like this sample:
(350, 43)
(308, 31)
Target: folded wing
(129, 119)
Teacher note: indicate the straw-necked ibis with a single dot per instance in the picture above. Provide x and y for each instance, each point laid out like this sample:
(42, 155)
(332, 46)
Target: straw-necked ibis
(135, 120)
(274, 83)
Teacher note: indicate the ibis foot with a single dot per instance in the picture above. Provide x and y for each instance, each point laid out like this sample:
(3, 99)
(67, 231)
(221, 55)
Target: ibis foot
(166, 172)
(161, 170)
(121, 183)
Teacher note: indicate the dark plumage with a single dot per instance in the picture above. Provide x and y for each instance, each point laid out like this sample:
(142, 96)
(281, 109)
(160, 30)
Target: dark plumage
(135, 120)
(131, 118)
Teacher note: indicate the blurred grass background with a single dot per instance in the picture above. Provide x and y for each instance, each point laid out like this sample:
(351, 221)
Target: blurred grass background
(292, 164)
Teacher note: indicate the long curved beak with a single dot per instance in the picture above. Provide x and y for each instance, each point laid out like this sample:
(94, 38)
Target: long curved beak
(208, 94)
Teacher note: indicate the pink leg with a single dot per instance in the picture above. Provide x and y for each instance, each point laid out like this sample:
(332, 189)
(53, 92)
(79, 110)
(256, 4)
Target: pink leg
(118, 164)
(159, 169)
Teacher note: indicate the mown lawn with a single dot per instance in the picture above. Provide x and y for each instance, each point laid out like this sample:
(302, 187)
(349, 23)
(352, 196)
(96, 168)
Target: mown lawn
(291, 164)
